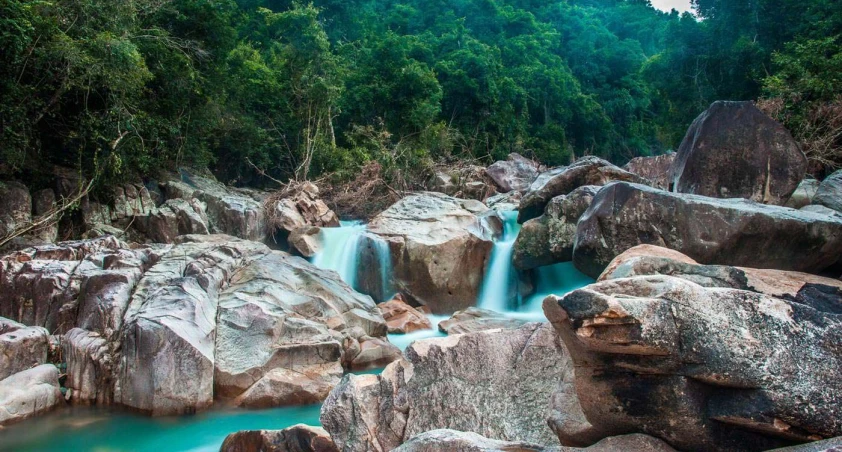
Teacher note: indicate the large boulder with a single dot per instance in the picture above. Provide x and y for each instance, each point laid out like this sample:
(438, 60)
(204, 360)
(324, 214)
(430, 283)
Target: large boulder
(561, 181)
(437, 247)
(804, 288)
(167, 361)
(549, 239)
(704, 368)
(515, 174)
(15, 207)
(29, 393)
(496, 383)
(43, 202)
(828, 445)
(278, 341)
(173, 218)
(657, 170)
(733, 150)
(711, 231)
(21, 347)
(829, 193)
(298, 438)
(454, 441)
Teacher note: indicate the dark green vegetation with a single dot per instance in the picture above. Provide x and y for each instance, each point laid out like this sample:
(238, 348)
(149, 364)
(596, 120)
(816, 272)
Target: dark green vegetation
(119, 88)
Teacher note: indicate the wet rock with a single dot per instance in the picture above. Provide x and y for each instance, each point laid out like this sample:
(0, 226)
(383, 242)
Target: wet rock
(277, 342)
(657, 169)
(549, 239)
(21, 347)
(505, 202)
(167, 361)
(306, 240)
(495, 383)
(438, 246)
(804, 194)
(562, 181)
(402, 318)
(515, 174)
(454, 441)
(15, 207)
(29, 393)
(703, 368)
(829, 193)
(733, 150)
(473, 320)
(90, 367)
(711, 231)
(298, 438)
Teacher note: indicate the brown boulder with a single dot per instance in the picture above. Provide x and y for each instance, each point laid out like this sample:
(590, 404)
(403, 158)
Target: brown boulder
(829, 193)
(733, 150)
(438, 247)
(402, 318)
(298, 438)
(704, 368)
(15, 207)
(561, 181)
(711, 231)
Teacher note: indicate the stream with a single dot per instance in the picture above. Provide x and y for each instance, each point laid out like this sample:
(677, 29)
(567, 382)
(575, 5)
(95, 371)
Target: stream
(112, 430)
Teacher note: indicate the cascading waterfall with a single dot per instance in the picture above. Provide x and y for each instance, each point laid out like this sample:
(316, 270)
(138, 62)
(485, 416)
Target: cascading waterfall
(384, 264)
(340, 250)
(499, 287)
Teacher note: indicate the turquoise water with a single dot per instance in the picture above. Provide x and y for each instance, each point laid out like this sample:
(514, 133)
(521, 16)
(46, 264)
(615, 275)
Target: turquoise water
(80, 429)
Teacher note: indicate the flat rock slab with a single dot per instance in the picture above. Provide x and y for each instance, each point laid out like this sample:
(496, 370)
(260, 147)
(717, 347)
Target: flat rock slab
(29, 393)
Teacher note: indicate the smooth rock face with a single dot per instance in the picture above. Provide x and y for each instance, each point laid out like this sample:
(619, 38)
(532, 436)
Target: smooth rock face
(473, 320)
(298, 438)
(306, 241)
(167, 361)
(804, 194)
(454, 441)
(703, 368)
(174, 218)
(495, 383)
(810, 290)
(402, 318)
(829, 193)
(711, 231)
(549, 239)
(657, 169)
(515, 174)
(733, 150)
(439, 248)
(21, 347)
(90, 367)
(561, 181)
(278, 339)
(15, 207)
(29, 393)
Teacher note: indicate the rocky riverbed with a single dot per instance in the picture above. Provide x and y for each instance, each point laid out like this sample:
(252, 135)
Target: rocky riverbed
(715, 322)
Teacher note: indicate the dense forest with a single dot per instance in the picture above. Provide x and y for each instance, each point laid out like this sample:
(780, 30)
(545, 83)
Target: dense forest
(259, 89)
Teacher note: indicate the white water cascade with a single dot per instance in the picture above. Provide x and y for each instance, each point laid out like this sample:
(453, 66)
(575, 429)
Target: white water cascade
(340, 250)
(499, 287)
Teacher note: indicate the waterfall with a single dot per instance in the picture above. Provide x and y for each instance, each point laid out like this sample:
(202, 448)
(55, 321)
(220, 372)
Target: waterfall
(499, 287)
(383, 257)
(340, 250)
